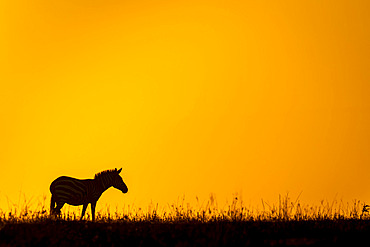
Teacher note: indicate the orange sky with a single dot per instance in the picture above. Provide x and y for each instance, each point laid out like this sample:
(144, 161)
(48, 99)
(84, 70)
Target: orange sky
(189, 97)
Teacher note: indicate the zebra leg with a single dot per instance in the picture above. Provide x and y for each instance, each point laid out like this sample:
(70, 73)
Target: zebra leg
(93, 205)
(58, 207)
(83, 210)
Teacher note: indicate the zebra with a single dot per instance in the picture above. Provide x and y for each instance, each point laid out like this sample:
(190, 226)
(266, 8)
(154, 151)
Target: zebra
(76, 192)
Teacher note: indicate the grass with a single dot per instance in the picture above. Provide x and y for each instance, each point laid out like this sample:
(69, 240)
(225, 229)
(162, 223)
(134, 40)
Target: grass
(287, 222)
(29, 211)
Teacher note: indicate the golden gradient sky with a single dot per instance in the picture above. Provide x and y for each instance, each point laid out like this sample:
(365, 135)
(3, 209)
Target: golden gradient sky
(189, 97)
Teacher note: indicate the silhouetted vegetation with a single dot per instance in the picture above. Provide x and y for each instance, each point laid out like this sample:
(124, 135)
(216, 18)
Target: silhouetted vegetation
(179, 224)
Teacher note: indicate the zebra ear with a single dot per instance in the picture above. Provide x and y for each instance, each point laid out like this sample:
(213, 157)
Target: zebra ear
(119, 170)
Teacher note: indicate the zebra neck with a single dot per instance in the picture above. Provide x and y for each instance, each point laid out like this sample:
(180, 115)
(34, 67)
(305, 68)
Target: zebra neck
(104, 184)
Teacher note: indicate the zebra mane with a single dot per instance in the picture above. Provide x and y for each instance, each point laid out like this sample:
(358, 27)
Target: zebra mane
(104, 173)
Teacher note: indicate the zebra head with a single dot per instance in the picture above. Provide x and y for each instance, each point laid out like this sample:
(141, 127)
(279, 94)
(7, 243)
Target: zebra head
(117, 181)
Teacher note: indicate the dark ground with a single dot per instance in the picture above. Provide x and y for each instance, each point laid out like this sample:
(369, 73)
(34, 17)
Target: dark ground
(219, 233)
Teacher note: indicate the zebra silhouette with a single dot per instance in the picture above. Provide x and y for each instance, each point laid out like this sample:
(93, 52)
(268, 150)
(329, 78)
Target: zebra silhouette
(76, 192)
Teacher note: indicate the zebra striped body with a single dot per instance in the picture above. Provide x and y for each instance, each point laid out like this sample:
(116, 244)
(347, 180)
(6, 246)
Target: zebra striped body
(75, 191)
(83, 191)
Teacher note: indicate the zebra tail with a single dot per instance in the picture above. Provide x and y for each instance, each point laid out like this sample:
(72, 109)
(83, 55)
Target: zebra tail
(52, 204)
